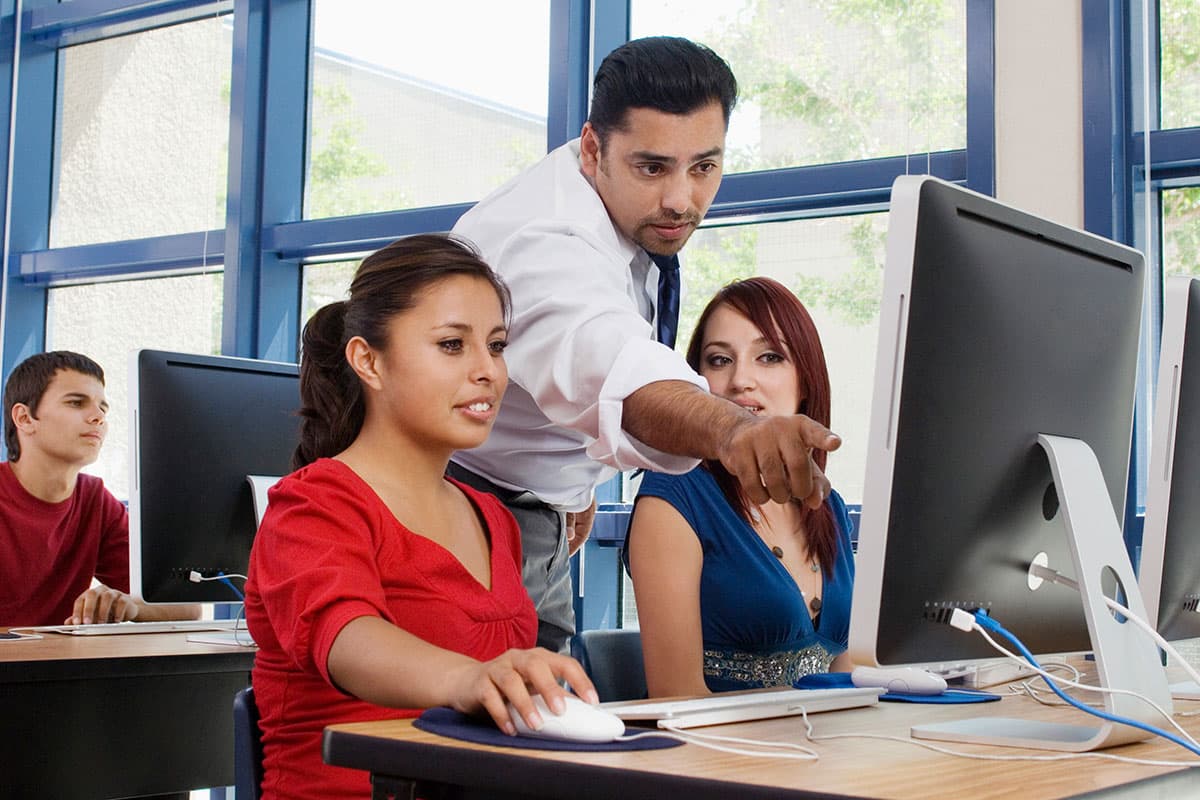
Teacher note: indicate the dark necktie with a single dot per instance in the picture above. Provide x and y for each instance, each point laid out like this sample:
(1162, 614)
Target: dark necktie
(668, 298)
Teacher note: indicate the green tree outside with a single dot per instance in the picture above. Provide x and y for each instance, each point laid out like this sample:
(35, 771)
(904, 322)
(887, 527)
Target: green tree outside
(1179, 23)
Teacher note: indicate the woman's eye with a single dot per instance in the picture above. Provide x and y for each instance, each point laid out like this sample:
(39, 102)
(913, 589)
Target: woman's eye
(451, 345)
(718, 361)
(497, 347)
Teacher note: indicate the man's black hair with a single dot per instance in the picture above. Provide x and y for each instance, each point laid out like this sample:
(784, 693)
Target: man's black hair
(28, 383)
(664, 73)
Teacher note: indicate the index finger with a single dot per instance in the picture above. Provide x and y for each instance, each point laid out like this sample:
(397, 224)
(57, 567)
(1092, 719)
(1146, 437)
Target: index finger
(76, 617)
(815, 435)
(566, 669)
(85, 607)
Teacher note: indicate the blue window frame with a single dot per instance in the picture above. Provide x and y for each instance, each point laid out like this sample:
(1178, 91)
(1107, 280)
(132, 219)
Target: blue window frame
(1129, 161)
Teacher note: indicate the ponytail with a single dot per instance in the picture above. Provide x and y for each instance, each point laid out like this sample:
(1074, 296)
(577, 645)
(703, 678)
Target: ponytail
(332, 402)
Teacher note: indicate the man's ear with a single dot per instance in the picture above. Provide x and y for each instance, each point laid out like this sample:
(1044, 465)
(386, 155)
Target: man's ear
(22, 417)
(362, 359)
(589, 150)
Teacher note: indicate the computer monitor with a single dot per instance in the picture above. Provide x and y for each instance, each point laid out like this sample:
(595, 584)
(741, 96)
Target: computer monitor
(201, 426)
(1000, 433)
(1169, 575)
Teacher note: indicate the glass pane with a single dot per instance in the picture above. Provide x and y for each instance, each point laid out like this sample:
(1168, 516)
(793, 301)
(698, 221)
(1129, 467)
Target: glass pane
(1179, 24)
(1181, 231)
(830, 80)
(143, 135)
(417, 108)
(109, 321)
(324, 284)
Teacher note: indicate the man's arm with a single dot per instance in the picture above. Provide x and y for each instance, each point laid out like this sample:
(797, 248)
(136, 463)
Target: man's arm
(770, 456)
(103, 603)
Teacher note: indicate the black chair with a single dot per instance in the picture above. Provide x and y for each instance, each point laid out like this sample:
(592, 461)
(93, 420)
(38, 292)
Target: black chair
(247, 746)
(613, 660)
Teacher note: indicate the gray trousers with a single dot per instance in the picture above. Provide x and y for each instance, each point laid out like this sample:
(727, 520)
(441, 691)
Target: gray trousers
(546, 568)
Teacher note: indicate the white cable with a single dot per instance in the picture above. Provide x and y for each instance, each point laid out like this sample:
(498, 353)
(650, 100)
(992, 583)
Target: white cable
(1158, 639)
(1054, 576)
(709, 741)
(1086, 687)
(196, 577)
(986, 757)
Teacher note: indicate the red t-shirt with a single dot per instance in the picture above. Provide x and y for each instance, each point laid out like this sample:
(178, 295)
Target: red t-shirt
(330, 551)
(49, 552)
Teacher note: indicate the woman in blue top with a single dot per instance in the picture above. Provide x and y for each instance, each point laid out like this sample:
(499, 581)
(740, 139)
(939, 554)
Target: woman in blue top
(730, 594)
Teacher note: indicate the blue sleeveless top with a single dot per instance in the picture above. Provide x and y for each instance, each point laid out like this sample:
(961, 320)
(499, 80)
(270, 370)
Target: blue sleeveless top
(756, 628)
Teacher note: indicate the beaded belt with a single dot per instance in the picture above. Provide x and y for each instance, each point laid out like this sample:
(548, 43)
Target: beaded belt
(780, 668)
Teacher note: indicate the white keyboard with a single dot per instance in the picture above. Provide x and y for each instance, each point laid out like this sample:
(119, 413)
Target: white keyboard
(110, 628)
(728, 707)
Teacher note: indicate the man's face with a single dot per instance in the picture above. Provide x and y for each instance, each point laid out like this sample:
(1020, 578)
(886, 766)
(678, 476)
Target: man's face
(658, 176)
(70, 422)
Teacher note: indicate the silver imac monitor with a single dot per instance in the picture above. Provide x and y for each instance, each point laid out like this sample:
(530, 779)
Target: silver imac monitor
(1169, 574)
(202, 425)
(1000, 434)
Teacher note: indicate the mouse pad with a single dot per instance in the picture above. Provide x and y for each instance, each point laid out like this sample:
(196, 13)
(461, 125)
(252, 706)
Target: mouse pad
(451, 723)
(835, 680)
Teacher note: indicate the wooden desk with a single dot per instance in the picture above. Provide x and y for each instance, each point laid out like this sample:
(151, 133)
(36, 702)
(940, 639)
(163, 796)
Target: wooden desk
(117, 716)
(859, 768)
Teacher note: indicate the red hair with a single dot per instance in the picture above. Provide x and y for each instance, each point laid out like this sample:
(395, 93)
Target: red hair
(785, 323)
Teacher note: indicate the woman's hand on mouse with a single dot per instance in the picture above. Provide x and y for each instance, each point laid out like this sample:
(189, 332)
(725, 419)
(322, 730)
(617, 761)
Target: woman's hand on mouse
(514, 677)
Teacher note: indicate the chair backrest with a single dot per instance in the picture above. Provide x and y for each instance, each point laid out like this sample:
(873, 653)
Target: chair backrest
(613, 660)
(247, 746)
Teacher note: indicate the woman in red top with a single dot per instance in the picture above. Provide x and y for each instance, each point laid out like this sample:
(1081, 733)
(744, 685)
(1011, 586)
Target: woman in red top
(377, 586)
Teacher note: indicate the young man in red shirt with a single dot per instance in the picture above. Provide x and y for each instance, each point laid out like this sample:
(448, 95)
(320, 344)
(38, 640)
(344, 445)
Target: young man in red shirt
(59, 528)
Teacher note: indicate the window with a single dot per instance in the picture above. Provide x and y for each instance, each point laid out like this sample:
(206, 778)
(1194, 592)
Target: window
(1181, 231)
(417, 108)
(142, 139)
(324, 284)
(372, 120)
(823, 82)
(1179, 24)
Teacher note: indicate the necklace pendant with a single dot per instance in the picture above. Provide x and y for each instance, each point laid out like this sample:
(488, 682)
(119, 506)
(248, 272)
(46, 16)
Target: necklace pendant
(777, 551)
(815, 604)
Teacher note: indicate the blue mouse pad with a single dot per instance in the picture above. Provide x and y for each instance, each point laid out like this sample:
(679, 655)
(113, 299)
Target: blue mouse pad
(837, 680)
(448, 722)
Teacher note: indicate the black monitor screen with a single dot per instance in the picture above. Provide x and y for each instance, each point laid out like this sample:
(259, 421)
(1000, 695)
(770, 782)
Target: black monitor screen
(996, 326)
(201, 425)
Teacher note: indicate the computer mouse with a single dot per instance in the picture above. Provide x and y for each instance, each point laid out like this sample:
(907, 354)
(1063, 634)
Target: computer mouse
(904, 680)
(579, 722)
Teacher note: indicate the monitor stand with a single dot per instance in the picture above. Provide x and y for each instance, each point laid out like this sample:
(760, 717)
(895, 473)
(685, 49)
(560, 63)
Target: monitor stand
(1125, 657)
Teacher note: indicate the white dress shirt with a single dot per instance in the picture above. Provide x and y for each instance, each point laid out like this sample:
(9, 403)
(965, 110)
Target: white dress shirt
(581, 339)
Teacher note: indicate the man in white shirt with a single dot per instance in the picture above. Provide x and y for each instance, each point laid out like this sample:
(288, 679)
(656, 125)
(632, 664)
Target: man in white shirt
(591, 391)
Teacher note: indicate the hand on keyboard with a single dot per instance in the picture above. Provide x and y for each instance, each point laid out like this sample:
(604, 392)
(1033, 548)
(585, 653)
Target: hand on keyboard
(102, 604)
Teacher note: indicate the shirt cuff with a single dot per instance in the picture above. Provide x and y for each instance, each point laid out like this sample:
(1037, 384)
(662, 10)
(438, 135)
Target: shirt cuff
(639, 363)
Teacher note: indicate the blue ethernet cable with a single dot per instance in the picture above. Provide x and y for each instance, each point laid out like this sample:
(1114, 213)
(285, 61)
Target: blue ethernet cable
(992, 625)
(225, 580)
